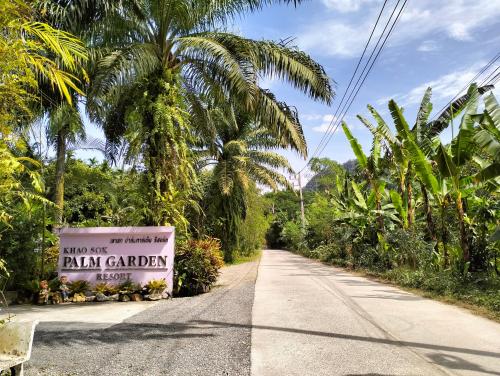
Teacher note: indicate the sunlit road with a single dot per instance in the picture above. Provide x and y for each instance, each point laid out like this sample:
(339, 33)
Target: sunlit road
(286, 315)
(311, 319)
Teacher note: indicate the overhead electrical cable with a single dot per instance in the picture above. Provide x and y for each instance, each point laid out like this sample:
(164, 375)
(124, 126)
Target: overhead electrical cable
(350, 81)
(354, 94)
(466, 86)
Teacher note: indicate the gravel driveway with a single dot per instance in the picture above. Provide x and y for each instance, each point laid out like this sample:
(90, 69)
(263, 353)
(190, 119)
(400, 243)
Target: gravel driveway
(183, 336)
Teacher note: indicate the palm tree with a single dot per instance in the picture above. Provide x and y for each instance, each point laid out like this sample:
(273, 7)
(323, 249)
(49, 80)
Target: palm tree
(50, 58)
(65, 127)
(162, 51)
(239, 153)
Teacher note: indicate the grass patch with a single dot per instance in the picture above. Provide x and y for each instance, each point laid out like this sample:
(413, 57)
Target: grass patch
(242, 259)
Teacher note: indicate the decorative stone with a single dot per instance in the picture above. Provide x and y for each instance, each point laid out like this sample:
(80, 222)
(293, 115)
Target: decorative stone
(136, 297)
(100, 297)
(154, 296)
(124, 298)
(90, 298)
(114, 297)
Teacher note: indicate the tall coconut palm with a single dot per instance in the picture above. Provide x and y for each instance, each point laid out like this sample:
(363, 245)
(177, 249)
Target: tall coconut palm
(239, 151)
(160, 51)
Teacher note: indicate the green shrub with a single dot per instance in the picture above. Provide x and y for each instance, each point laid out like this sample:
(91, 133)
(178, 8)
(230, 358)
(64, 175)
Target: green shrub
(332, 253)
(156, 285)
(79, 286)
(106, 288)
(293, 237)
(197, 265)
(129, 287)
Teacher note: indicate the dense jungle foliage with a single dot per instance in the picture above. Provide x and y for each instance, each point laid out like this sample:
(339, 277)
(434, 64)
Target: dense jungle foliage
(413, 211)
(191, 137)
(192, 140)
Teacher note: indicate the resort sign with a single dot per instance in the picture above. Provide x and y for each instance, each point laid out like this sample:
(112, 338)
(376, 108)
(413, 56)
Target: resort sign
(117, 254)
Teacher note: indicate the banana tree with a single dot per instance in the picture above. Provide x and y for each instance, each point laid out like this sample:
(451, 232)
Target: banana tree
(487, 139)
(370, 166)
(398, 157)
(453, 160)
(434, 185)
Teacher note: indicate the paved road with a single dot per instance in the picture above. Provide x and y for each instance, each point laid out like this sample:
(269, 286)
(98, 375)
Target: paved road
(311, 319)
(306, 319)
(204, 335)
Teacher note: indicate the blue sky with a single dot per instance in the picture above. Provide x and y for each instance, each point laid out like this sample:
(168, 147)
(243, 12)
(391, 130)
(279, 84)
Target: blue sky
(442, 44)
(438, 43)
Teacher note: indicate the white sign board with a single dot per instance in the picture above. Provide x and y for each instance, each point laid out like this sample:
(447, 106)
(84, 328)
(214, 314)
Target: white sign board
(115, 254)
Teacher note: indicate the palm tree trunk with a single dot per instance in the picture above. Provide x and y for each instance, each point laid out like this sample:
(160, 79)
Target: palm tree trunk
(464, 241)
(444, 236)
(428, 213)
(380, 218)
(59, 180)
(409, 195)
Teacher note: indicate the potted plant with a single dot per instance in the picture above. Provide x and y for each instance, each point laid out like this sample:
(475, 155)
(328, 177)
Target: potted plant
(127, 289)
(155, 288)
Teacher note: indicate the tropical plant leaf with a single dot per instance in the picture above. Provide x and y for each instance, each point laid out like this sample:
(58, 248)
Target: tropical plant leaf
(355, 146)
(360, 200)
(445, 163)
(422, 167)
(435, 127)
(488, 173)
(399, 120)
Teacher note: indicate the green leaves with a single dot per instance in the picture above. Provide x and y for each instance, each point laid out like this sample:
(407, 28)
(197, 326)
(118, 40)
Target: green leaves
(399, 120)
(397, 201)
(356, 147)
(422, 167)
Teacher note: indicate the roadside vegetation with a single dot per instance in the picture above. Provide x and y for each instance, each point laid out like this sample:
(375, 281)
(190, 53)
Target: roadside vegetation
(414, 211)
(192, 139)
(191, 136)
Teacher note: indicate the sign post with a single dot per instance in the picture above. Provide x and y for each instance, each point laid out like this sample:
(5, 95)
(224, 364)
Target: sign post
(117, 254)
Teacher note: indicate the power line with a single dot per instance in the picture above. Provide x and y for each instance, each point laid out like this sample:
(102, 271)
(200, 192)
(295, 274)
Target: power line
(351, 80)
(344, 112)
(481, 71)
(495, 79)
(491, 74)
(333, 126)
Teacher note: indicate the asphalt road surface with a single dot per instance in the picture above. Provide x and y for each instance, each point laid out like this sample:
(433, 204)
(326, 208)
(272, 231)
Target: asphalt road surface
(285, 316)
(204, 335)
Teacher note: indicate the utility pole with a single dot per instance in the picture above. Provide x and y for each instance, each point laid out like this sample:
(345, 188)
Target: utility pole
(302, 216)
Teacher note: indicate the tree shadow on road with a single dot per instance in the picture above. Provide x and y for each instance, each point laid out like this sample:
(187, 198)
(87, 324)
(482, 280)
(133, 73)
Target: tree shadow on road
(445, 360)
(88, 335)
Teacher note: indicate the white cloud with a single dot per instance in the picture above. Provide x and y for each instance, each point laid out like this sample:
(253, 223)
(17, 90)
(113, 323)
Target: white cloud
(444, 87)
(267, 82)
(428, 46)
(309, 117)
(345, 6)
(329, 119)
(325, 125)
(421, 20)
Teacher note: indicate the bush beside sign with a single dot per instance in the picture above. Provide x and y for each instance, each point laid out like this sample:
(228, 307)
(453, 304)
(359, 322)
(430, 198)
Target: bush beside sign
(117, 254)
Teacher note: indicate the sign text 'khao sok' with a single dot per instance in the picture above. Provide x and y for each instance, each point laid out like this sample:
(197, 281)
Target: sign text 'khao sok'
(117, 254)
